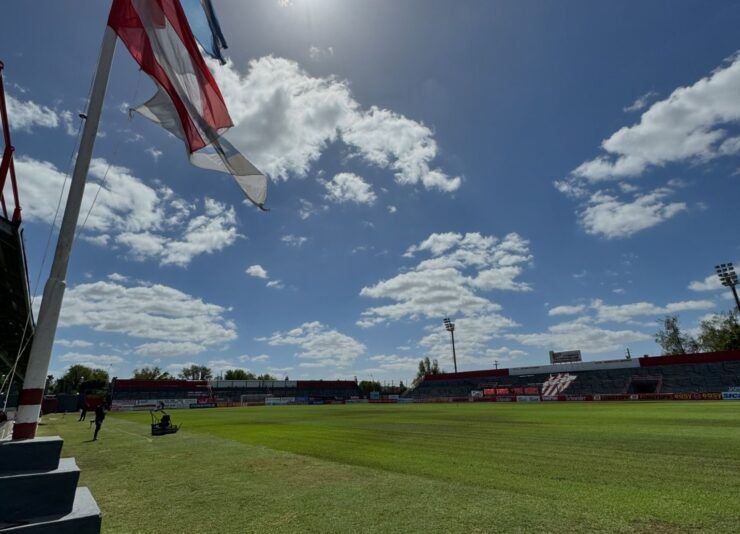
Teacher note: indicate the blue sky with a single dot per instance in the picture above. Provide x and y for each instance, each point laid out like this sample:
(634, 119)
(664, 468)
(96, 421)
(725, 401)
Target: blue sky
(550, 175)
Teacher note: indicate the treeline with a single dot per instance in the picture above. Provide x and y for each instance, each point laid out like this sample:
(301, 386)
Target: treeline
(199, 372)
(720, 332)
(82, 377)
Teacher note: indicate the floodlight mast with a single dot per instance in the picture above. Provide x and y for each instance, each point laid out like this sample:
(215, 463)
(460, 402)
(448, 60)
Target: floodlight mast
(728, 277)
(450, 327)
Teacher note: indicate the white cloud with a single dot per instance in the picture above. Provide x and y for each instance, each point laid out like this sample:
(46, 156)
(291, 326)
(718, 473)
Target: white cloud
(285, 119)
(25, 114)
(610, 217)
(74, 343)
(219, 367)
(125, 203)
(388, 139)
(307, 209)
(257, 271)
(504, 354)
(280, 370)
(710, 283)
(566, 310)
(392, 362)
(628, 188)
(169, 349)
(580, 334)
(427, 292)
(204, 234)
(173, 320)
(294, 240)
(320, 345)
(99, 361)
(473, 336)
(176, 368)
(691, 126)
(154, 153)
(641, 101)
(317, 53)
(151, 224)
(625, 312)
(686, 126)
(449, 282)
(258, 358)
(392, 209)
(348, 187)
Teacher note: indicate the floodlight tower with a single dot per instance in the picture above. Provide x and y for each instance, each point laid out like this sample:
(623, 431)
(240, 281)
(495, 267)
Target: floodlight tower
(450, 327)
(728, 277)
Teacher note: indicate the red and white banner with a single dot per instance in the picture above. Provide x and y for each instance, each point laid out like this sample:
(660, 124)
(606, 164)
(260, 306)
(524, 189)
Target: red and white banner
(188, 103)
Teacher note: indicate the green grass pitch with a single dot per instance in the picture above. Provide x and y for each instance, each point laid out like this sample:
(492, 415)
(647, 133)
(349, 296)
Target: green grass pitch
(552, 467)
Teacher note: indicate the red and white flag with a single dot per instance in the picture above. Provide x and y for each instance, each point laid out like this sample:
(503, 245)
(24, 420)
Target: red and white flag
(188, 103)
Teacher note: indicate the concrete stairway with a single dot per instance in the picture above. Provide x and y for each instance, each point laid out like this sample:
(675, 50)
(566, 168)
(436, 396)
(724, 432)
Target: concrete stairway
(39, 493)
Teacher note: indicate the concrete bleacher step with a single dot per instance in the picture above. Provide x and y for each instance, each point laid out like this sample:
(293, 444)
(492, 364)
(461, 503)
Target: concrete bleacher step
(30, 455)
(84, 518)
(36, 493)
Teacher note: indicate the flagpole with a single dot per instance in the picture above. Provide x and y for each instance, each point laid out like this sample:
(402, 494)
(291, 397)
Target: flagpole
(29, 404)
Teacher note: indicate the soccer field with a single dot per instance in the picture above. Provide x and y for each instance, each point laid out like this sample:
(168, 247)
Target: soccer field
(554, 467)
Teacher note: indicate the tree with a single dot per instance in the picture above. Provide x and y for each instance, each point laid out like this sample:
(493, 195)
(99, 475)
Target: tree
(427, 367)
(672, 340)
(719, 333)
(78, 375)
(150, 373)
(238, 374)
(196, 372)
(266, 376)
(49, 388)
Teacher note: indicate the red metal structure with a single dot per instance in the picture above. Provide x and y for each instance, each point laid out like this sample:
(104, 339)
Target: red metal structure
(7, 166)
(16, 319)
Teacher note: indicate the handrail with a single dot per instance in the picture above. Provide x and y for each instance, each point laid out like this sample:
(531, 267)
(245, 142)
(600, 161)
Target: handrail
(6, 165)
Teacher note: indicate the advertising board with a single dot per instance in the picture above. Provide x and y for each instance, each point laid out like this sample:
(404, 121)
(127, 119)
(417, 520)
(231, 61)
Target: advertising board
(566, 356)
(279, 401)
(697, 396)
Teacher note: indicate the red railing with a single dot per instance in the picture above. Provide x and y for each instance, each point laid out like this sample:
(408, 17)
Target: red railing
(7, 166)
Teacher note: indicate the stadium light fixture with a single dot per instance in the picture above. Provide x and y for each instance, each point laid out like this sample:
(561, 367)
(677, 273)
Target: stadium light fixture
(728, 277)
(450, 327)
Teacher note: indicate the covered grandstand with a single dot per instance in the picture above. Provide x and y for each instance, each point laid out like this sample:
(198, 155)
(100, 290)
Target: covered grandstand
(703, 373)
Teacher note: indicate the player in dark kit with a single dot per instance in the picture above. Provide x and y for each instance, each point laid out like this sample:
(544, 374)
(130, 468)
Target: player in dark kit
(99, 417)
(83, 411)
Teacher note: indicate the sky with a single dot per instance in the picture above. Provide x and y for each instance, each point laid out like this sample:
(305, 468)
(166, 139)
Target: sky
(549, 175)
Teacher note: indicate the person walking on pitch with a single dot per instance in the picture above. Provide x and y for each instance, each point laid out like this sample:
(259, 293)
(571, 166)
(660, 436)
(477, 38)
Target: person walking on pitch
(99, 418)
